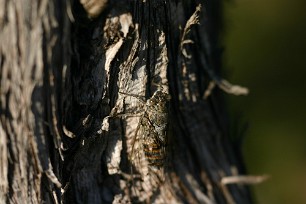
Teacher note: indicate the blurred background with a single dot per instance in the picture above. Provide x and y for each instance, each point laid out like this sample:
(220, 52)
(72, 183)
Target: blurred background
(265, 50)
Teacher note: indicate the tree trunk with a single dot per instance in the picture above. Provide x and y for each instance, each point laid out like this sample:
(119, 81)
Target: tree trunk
(114, 102)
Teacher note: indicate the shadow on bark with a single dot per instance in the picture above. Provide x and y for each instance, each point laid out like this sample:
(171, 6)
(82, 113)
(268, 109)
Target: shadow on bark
(120, 102)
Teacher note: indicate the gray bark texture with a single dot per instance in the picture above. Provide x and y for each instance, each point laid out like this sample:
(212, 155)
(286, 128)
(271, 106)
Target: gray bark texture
(117, 101)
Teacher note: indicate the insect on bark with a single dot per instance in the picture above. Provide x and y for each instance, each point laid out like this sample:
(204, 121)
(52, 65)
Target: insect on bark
(151, 132)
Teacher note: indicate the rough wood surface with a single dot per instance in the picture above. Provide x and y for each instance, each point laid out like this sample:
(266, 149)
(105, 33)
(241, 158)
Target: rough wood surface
(33, 51)
(115, 102)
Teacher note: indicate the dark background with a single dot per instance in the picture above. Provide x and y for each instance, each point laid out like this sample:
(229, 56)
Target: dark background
(265, 44)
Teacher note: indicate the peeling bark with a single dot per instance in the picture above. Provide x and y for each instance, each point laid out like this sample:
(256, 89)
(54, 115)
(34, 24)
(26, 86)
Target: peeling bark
(85, 112)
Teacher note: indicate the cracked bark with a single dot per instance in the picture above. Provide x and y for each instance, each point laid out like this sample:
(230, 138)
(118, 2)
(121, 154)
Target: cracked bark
(76, 80)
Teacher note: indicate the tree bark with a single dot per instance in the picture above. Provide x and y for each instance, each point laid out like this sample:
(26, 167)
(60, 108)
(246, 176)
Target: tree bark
(114, 102)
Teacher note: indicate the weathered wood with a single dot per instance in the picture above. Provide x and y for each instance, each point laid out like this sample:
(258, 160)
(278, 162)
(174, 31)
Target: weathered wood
(77, 121)
(130, 52)
(33, 52)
